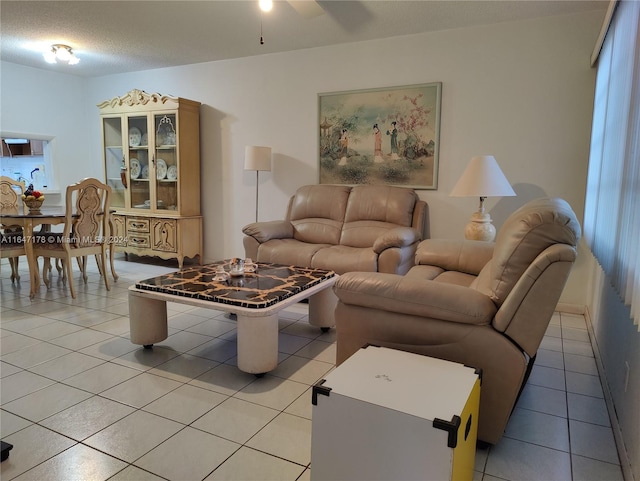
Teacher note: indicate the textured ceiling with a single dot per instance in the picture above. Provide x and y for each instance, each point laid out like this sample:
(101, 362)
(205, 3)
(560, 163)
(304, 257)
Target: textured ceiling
(123, 36)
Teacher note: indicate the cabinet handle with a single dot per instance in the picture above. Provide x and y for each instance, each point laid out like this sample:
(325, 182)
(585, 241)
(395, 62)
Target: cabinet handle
(137, 241)
(137, 226)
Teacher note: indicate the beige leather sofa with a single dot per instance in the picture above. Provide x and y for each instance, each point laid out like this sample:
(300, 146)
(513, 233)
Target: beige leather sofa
(341, 228)
(482, 304)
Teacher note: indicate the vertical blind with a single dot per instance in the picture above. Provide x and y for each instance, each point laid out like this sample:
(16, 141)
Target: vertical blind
(612, 205)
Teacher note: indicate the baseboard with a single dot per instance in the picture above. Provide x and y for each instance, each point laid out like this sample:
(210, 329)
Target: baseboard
(625, 462)
(570, 308)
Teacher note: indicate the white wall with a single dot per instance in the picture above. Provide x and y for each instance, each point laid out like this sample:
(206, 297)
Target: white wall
(521, 91)
(40, 103)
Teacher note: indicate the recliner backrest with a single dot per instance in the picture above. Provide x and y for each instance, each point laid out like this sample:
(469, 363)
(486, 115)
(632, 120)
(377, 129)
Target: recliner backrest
(525, 314)
(524, 235)
(317, 213)
(373, 210)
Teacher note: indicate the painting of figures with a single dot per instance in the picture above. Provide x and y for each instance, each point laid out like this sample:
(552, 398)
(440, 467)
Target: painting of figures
(380, 136)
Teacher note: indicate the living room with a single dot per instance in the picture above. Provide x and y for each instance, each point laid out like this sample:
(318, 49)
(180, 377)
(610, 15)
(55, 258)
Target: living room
(521, 91)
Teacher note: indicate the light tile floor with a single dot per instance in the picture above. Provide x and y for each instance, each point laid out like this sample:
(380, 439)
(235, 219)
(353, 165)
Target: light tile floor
(80, 402)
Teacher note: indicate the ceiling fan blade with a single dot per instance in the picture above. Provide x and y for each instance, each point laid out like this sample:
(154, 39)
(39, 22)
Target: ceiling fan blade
(307, 8)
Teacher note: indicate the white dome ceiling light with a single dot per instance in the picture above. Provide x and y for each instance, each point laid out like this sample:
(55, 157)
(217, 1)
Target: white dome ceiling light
(61, 54)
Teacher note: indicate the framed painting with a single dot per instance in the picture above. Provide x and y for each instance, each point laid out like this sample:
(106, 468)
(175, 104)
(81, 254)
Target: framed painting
(380, 136)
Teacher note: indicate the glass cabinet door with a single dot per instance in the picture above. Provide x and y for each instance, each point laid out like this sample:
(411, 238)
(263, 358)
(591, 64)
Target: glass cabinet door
(114, 161)
(166, 162)
(139, 168)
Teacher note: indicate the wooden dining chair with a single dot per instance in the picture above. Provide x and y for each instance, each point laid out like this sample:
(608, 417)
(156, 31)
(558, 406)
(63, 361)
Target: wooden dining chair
(85, 233)
(12, 246)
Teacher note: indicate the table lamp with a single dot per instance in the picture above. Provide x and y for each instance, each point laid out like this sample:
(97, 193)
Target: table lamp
(482, 178)
(257, 158)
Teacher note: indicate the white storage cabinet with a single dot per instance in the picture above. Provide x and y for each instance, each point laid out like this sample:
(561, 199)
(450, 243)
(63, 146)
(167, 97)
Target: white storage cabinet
(386, 414)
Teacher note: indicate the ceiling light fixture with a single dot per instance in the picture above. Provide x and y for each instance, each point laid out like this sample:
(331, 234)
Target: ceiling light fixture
(265, 5)
(61, 54)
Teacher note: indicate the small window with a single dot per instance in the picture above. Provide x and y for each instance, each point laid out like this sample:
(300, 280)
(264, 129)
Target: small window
(27, 160)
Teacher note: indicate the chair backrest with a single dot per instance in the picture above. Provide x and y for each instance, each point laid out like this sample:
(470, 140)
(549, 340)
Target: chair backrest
(533, 255)
(9, 192)
(317, 213)
(87, 212)
(525, 234)
(353, 216)
(374, 209)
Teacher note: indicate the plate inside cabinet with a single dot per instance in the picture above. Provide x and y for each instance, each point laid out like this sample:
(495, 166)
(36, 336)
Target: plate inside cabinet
(161, 169)
(135, 136)
(172, 172)
(135, 168)
(145, 172)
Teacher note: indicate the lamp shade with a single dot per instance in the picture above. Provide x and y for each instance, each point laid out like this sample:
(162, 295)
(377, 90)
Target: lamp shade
(257, 158)
(482, 178)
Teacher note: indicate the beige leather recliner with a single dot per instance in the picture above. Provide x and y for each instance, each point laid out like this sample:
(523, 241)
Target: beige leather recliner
(483, 304)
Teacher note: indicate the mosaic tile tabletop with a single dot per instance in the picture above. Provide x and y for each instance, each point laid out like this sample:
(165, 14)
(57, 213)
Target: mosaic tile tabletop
(268, 285)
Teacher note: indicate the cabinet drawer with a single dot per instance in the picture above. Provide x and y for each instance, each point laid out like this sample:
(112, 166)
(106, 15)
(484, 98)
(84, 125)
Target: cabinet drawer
(137, 225)
(139, 240)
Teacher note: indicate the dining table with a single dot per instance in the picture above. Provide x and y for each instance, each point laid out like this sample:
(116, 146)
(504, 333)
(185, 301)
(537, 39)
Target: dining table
(28, 220)
(46, 217)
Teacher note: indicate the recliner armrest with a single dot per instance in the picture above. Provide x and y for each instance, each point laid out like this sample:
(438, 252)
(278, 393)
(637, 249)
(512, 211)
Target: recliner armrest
(264, 231)
(396, 237)
(415, 297)
(467, 256)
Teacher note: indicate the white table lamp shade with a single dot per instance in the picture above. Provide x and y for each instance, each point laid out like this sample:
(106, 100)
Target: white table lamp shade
(482, 178)
(257, 158)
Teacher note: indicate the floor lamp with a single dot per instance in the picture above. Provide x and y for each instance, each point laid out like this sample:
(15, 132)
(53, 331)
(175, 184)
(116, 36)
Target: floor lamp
(482, 178)
(257, 158)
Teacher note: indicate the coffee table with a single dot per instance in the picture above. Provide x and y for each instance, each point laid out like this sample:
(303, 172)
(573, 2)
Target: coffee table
(255, 298)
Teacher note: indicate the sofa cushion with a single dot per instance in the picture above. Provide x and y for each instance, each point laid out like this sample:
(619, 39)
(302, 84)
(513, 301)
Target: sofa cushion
(374, 209)
(428, 273)
(343, 259)
(317, 213)
(438, 274)
(288, 252)
(525, 234)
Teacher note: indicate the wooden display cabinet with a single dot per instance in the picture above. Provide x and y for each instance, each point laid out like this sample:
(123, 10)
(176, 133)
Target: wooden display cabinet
(151, 155)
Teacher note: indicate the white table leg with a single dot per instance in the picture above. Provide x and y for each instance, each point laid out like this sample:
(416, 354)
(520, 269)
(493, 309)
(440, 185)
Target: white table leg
(322, 305)
(257, 343)
(147, 319)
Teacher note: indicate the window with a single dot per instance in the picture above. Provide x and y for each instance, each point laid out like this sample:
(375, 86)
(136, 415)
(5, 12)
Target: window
(28, 160)
(612, 205)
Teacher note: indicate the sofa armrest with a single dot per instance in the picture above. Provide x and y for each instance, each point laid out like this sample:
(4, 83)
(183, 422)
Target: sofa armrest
(264, 231)
(467, 256)
(415, 297)
(396, 237)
